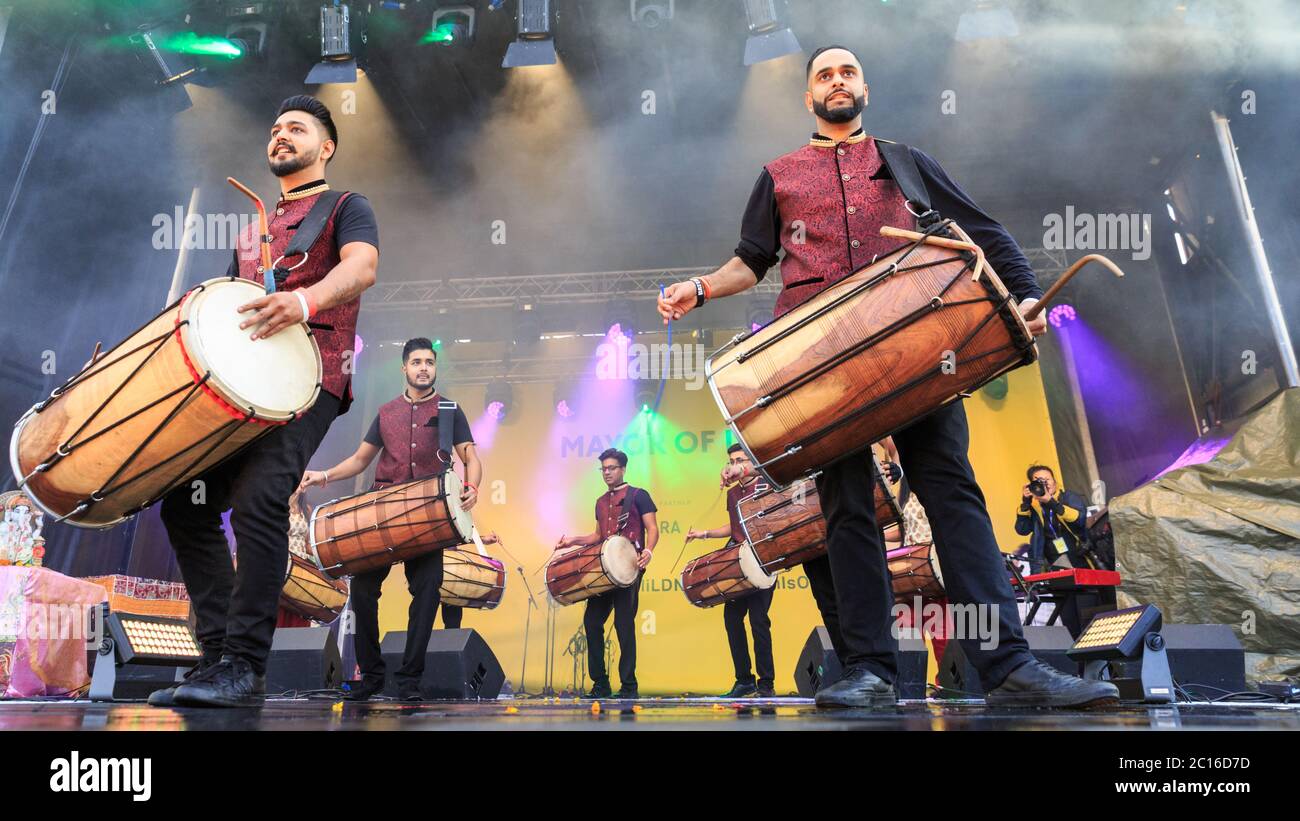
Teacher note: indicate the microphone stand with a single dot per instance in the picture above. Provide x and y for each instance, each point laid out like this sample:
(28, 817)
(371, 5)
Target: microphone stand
(528, 620)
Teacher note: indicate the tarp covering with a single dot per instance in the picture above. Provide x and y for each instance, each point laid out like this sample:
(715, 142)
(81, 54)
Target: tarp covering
(1219, 542)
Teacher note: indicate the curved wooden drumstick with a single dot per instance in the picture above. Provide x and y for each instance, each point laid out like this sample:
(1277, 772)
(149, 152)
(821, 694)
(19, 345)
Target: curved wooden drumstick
(1038, 307)
(263, 228)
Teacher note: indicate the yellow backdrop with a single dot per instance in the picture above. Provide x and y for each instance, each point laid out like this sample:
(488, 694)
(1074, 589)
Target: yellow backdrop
(541, 480)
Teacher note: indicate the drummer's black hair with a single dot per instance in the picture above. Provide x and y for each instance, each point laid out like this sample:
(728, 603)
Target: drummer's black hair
(615, 454)
(317, 109)
(420, 343)
(807, 72)
(735, 448)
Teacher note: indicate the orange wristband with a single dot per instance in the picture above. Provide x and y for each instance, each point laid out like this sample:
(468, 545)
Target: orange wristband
(708, 291)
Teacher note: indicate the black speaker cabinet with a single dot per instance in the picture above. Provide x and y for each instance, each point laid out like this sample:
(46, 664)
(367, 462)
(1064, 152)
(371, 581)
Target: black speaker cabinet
(303, 658)
(458, 664)
(818, 665)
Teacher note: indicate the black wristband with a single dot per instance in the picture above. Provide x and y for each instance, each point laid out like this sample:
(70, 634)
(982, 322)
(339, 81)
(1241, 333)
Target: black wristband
(699, 291)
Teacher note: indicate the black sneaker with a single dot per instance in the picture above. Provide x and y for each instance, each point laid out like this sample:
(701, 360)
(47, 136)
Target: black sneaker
(409, 692)
(740, 689)
(365, 690)
(230, 683)
(765, 690)
(629, 694)
(599, 689)
(166, 697)
(860, 688)
(1035, 684)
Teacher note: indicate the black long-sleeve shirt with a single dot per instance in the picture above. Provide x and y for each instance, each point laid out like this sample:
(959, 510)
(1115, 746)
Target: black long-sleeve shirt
(760, 228)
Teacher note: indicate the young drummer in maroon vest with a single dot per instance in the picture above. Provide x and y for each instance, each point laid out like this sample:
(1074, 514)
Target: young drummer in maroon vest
(627, 511)
(755, 605)
(405, 436)
(235, 610)
(824, 205)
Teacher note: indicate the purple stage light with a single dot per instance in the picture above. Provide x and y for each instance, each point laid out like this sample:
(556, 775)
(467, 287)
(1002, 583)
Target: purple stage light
(1061, 314)
(496, 410)
(563, 409)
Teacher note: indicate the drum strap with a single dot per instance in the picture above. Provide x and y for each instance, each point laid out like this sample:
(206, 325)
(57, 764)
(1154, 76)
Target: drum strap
(309, 230)
(446, 428)
(902, 165)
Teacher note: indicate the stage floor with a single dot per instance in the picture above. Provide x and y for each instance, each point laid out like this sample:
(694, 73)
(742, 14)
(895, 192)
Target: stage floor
(646, 714)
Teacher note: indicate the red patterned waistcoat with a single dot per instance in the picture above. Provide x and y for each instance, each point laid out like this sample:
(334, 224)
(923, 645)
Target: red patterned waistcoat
(831, 213)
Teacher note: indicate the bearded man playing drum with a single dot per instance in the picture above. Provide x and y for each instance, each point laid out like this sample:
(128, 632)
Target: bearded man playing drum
(756, 604)
(621, 511)
(235, 610)
(824, 204)
(405, 435)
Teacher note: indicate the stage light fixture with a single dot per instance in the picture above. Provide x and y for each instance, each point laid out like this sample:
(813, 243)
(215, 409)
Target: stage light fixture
(651, 14)
(452, 26)
(986, 20)
(338, 64)
(130, 641)
(758, 312)
(534, 44)
(564, 396)
(526, 325)
(246, 28)
(498, 399)
(172, 70)
(769, 36)
(1061, 314)
(1129, 635)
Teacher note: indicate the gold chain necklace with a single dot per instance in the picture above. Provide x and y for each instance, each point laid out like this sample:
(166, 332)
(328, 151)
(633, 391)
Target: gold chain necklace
(297, 195)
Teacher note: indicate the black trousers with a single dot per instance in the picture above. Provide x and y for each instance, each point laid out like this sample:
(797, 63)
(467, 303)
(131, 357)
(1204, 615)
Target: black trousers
(856, 594)
(424, 580)
(451, 615)
(235, 611)
(623, 602)
(755, 605)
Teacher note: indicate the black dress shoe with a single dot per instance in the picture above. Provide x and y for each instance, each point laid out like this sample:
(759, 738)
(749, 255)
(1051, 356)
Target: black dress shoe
(765, 690)
(860, 688)
(364, 690)
(409, 693)
(230, 683)
(1035, 684)
(628, 695)
(740, 689)
(166, 697)
(599, 689)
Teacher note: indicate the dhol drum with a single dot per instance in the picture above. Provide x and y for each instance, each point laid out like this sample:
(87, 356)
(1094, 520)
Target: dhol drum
(310, 593)
(578, 573)
(178, 396)
(786, 527)
(388, 525)
(869, 355)
(728, 573)
(471, 579)
(915, 571)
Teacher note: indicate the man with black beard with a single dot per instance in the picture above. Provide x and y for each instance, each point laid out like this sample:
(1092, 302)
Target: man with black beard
(235, 610)
(824, 205)
(405, 437)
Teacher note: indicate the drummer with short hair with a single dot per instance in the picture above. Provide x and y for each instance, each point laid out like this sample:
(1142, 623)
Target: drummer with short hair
(818, 211)
(625, 511)
(755, 604)
(405, 437)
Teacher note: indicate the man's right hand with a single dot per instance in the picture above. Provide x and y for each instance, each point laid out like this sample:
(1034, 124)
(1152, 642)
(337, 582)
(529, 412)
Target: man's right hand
(696, 534)
(563, 543)
(677, 301)
(311, 477)
(733, 473)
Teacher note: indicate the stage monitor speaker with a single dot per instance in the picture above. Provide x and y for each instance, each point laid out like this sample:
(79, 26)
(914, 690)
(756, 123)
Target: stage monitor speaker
(818, 665)
(1048, 644)
(957, 676)
(458, 664)
(1208, 655)
(303, 659)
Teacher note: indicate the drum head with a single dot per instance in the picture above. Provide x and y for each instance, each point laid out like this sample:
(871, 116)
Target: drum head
(934, 562)
(276, 377)
(460, 517)
(618, 557)
(754, 571)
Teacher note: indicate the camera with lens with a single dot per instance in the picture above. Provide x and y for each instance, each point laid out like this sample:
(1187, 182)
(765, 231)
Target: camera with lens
(1038, 487)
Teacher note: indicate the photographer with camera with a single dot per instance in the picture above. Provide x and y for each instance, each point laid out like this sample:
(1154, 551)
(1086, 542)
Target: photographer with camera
(1054, 519)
